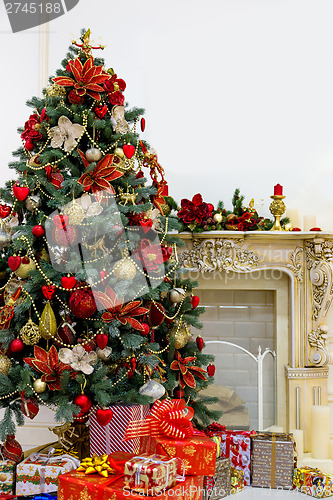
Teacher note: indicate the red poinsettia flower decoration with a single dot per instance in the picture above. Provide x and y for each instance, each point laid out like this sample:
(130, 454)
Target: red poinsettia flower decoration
(116, 310)
(87, 77)
(100, 178)
(31, 132)
(186, 371)
(195, 211)
(247, 221)
(114, 88)
(152, 256)
(47, 363)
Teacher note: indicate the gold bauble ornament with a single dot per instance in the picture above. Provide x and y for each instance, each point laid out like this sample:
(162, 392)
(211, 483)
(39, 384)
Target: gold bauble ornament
(24, 268)
(119, 152)
(166, 209)
(125, 269)
(218, 218)
(5, 364)
(48, 324)
(39, 386)
(176, 295)
(56, 90)
(93, 154)
(288, 226)
(230, 218)
(181, 334)
(30, 333)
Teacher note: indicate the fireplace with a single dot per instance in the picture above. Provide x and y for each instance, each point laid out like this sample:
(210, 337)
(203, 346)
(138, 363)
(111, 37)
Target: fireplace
(272, 289)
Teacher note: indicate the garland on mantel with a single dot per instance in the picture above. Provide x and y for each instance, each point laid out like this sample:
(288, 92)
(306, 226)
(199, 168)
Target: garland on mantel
(197, 216)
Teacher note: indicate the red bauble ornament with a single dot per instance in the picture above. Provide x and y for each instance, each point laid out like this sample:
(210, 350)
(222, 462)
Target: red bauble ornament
(65, 334)
(101, 340)
(178, 393)
(146, 224)
(146, 329)
(65, 236)
(101, 111)
(83, 401)
(200, 342)
(38, 231)
(82, 303)
(133, 364)
(20, 192)
(48, 291)
(14, 262)
(16, 345)
(4, 211)
(129, 150)
(68, 282)
(156, 315)
(195, 301)
(25, 260)
(210, 207)
(29, 145)
(12, 449)
(104, 416)
(211, 370)
(56, 178)
(143, 124)
(75, 98)
(29, 407)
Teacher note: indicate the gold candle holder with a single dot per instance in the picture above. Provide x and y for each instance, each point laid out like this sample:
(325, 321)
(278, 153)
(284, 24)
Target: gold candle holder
(277, 208)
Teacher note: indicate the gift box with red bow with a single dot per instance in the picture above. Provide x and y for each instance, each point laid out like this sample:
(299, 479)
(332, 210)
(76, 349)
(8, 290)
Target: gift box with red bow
(109, 438)
(235, 445)
(168, 431)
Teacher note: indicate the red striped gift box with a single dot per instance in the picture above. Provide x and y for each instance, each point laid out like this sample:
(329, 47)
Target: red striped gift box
(109, 438)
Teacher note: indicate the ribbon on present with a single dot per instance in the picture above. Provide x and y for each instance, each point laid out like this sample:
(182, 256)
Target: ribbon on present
(151, 460)
(170, 417)
(215, 429)
(272, 436)
(48, 459)
(96, 465)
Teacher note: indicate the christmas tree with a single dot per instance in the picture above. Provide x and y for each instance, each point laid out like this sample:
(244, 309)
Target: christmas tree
(96, 307)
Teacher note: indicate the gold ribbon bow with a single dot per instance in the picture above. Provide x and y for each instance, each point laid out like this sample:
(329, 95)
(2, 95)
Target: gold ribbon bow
(96, 465)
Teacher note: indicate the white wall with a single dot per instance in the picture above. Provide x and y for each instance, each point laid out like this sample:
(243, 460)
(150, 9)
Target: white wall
(238, 93)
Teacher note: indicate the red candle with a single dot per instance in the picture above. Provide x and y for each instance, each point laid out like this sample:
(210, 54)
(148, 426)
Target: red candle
(278, 190)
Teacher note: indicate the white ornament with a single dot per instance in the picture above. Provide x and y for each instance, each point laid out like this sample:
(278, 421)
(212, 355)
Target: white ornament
(33, 202)
(93, 154)
(176, 295)
(153, 389)
(217, 218)
(5, 239)
(78, 358)
(65, 134)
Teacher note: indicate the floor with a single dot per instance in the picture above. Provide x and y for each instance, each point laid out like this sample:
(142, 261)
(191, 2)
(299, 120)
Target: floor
(254, 493)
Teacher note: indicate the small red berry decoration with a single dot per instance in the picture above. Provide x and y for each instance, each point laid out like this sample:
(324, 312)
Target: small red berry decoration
(211, 370)
(38, 231)
(200, 342)
(83, 401)
(195, 301)
(16, 345)
(146, 329)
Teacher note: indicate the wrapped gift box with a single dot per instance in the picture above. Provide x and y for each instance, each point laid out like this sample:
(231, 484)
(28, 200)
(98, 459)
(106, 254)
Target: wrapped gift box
(198, 452)
(236, 480)
(150, 474)
(39, 473)
(272, 460)
(7, 476)
(218, 486)
(313, 482)
(94, 487)
(236, 445)
(110, 438)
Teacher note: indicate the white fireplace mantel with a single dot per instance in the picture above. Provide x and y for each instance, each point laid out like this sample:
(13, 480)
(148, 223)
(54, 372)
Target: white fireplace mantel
(307, 259)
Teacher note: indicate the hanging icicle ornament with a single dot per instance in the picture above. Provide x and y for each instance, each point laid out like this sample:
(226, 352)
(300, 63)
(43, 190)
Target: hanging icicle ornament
(48, 324)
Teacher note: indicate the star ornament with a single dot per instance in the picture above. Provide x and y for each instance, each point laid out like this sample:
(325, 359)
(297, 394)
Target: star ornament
(86, 79)
(65, 133)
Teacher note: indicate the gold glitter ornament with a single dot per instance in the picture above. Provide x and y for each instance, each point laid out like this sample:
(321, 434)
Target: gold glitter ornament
(56, 90)
(166, 209)
(30, 333)
(24, 268)
(181, 335)
(39, 386)
(5, 364)
(48, 324)
(119, 152)
(75, 213)
(125, 269)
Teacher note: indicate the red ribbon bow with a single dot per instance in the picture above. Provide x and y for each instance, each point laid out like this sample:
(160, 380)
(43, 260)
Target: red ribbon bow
(170, 417)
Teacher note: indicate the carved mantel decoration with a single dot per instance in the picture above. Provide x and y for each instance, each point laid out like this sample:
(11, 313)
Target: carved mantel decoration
(307, 259)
